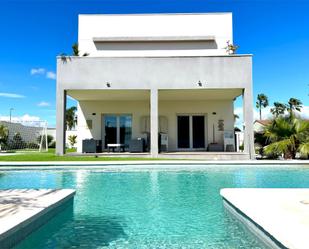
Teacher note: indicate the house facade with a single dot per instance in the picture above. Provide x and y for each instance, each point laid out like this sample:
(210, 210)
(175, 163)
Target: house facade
(166, 79)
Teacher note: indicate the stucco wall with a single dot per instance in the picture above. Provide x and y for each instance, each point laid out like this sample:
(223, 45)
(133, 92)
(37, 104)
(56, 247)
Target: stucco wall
(214, 72)
(217, 25)
(168, 109)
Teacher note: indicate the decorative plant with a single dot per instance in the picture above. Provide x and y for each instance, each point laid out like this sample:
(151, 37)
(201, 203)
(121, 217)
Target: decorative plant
(72, 140)
(75, 52)
(287, 136)
(230, 48)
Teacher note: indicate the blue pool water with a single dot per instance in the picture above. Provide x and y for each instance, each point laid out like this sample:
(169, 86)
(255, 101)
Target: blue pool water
(148, 209)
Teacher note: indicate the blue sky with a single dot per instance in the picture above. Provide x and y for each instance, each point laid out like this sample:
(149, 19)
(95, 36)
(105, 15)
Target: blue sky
(34, 32)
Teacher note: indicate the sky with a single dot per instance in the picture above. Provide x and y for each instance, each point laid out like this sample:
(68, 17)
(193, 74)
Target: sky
(34, 32)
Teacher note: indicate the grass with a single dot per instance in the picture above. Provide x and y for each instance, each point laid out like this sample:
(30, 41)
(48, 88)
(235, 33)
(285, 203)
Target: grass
(51, 156)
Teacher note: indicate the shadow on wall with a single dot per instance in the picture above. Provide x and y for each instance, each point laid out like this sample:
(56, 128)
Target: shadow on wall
(150, 46)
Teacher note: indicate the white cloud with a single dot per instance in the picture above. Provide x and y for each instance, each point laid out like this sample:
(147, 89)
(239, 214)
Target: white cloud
(51, 75)
(43, 104)
(35, 71)
(304, 112)
(42, 71)
(11, 95)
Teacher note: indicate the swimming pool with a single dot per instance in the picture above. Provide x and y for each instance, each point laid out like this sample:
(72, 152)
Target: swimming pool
(148, 208)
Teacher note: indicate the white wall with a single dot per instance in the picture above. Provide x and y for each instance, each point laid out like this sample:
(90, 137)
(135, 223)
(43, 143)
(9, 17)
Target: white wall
(218, 25)
(169, 109)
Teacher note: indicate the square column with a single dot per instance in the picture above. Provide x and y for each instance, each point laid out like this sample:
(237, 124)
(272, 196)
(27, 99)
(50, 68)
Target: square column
(154, 122)
(248, 122)
(61, 123)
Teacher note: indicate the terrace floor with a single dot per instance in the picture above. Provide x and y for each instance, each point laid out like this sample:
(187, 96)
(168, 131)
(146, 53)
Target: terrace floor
(202, 155)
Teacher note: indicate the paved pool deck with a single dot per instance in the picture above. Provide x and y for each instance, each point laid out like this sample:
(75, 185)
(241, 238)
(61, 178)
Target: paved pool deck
(279, 217)
(150, 164)
(24, 210)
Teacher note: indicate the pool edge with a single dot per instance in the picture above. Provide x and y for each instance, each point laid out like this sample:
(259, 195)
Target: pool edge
(13, 236)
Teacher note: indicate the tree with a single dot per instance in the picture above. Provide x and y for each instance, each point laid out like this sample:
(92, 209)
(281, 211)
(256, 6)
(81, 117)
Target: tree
(278, 109)
(294, 105)
(4, 133)
(17, 142)
(70, 117)
(262, 102)
(72, 140)
(287, 136)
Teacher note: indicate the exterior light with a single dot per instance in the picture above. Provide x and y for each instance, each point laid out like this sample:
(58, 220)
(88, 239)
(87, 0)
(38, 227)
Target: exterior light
(108, 84)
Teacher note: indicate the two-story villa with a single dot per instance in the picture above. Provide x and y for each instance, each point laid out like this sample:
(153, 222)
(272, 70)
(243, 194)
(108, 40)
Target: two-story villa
(165, 79)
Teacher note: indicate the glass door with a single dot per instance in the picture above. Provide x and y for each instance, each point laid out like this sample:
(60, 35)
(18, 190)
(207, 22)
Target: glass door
(125, 129)
(110, 126)
(191, 132)
(198, 131)
(117, 129)
(183, 130)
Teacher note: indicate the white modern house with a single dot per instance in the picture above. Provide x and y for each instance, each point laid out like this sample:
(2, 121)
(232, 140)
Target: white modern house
(166, 79)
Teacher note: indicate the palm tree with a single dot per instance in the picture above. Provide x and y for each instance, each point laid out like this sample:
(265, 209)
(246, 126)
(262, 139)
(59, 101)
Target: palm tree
(262, 102)
(70, 117)
(287, 136)
(278, 109)
(4, 133)
(294, 105)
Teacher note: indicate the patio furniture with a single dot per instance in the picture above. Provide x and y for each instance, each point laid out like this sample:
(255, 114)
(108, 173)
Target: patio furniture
(229, 148)
(137, 145)
(215, 147)
(91, 146)
(119, 147)
(163, 142)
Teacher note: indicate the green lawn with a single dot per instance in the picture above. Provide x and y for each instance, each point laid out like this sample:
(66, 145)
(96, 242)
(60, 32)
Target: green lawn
(51, 156)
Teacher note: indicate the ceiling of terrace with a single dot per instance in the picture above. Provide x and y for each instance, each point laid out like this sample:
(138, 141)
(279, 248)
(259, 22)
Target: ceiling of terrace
(164, 95)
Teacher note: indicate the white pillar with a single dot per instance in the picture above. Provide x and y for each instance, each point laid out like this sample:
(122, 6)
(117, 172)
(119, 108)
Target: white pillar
(248, 122)
(60, 122)
(154, 122)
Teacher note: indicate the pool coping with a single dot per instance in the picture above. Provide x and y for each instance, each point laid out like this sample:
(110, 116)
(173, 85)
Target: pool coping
(4, 164)
(273, 215)
(152, 165)
(32, 209)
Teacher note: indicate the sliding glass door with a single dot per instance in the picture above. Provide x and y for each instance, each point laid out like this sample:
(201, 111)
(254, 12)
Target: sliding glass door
(117, 129)
(191, 131)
